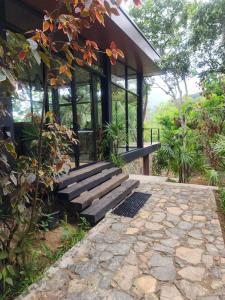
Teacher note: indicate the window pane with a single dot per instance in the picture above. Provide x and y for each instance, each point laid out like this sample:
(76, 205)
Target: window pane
(86, 144)
(118, 74)
(21, 104)
(37, 108)
(119, 112)
(132, 80)
(64, 95)
(66, 116)
(84, 115)
(99, 103)
(132, 120)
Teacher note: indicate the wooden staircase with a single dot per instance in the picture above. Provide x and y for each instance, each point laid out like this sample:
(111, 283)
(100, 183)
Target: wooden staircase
(94, 190)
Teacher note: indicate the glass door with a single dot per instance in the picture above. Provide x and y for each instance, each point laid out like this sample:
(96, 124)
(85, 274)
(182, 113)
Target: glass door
(88, 109)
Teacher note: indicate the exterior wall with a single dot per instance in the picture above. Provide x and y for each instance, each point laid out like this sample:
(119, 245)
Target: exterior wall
(136, 166)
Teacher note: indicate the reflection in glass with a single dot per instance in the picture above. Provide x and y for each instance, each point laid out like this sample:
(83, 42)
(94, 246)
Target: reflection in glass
(132, 80)
(118, 74)
(119, 110)
(132, 120)
(66, 116)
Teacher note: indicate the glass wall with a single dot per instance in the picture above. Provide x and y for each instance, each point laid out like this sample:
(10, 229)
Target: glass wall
(28, 97)
(124, 103)
(119, 111)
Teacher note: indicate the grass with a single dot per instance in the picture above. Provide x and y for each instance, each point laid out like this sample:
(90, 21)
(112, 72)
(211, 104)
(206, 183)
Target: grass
(42, 257)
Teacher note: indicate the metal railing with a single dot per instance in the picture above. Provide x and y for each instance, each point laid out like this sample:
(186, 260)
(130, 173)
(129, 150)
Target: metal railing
(151, 135)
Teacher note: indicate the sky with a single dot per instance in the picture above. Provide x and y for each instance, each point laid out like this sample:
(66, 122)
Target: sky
(157, 96)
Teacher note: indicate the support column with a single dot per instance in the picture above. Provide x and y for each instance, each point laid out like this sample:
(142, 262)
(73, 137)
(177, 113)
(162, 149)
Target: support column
(6, 122)
(126, 108)
(106, 87)
(2, 19)
(146, 170)
(140, 80)
(75, 123)
(106, 92)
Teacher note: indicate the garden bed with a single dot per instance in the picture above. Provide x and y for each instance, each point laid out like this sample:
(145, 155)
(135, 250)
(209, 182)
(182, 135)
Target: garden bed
(47, 248)
(221, 213)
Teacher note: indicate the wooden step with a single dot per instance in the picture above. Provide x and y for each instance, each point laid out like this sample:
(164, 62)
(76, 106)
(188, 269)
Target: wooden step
(81, 174)
(86, 198)
(76, 189)
(99, 208)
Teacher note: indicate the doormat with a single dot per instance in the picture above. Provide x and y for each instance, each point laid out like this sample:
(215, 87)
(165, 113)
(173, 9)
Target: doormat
(130, 207)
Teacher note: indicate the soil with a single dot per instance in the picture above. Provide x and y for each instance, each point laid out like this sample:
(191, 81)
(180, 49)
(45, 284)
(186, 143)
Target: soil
(195, 179)
(198, 179)
(221, 214)
(53, 238)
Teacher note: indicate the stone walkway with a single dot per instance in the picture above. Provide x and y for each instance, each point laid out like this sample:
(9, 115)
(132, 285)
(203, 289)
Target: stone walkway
(172, 250)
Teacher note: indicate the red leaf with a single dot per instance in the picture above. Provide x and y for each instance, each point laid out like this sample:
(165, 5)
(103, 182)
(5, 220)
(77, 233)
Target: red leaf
(22, 55)
(137, 2)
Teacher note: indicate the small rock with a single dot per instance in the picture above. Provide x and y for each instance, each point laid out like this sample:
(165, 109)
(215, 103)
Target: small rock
(140, 247)
(117, 295)
(124, 277)
(175, 210)
(184, 225)
(191, 290)
(158, 217)
(153, 226)
(210, 298)
(132, 230)
(211, 249)
(192, 273)
(105, 256)
(145, 285)
(76, 286)
(199, 218)
(158, 260)
(167, 273)
(195, 234)
(169, 292)
(207, 260)
(194, 242)
(190, 255)
(187, 218)
(119, 248)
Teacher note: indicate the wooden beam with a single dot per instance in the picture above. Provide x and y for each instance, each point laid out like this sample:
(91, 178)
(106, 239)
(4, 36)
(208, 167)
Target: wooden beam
(137, 153)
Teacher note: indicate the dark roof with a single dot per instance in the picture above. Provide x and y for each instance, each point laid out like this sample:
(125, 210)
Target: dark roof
(139, 53)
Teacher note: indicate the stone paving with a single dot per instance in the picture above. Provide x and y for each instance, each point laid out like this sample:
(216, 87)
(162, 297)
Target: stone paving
(171, 250)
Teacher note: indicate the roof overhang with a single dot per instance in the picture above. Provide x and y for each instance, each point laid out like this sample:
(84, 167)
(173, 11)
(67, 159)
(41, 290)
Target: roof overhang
(139, 53)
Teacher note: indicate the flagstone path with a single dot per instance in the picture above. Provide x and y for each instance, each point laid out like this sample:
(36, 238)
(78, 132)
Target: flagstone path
(171, 250)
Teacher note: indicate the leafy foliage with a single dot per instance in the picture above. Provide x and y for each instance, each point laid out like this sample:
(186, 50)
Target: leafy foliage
(114, 134)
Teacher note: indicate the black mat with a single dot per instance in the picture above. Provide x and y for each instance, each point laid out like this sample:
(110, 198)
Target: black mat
(131, 206)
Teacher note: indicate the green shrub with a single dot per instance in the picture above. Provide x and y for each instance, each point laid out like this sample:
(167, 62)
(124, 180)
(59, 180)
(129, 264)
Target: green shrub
(222, 198)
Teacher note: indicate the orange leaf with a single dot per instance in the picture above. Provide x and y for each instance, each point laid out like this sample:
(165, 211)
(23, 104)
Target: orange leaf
(99, 17)
(63, 69)
(46, 26)
(120, 53)
(108, 52)
(79, 61)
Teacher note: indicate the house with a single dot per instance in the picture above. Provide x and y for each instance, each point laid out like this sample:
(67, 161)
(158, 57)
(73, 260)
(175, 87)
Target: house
(96, 95)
